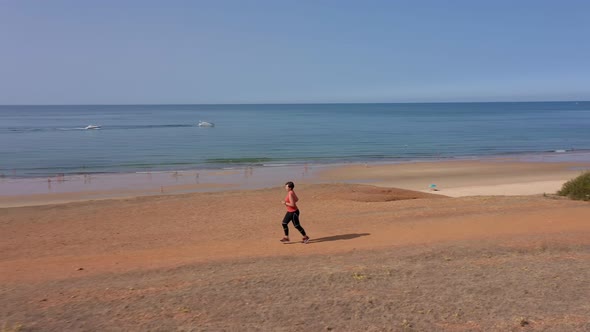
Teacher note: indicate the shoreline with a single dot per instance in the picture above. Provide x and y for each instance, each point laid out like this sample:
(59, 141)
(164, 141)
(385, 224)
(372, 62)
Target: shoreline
(566, 155)
(506, 175)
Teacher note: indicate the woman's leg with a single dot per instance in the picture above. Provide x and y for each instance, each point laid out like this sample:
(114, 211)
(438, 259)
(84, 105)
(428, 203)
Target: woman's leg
(296, 223)
(286, 221)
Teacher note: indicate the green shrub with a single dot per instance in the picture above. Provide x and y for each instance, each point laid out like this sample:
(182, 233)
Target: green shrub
(578, 188)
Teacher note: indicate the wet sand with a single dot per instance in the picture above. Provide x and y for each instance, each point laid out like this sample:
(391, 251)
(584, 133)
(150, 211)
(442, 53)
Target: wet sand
(492, 176)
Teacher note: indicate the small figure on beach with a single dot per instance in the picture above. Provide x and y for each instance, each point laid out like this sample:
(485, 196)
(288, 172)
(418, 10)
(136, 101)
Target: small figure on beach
(292, 213)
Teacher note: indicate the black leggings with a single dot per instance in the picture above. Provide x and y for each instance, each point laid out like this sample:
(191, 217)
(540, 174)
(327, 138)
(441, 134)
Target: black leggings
(295, 217)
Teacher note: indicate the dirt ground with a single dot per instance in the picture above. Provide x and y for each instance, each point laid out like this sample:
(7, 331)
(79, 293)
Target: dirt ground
(379, 260)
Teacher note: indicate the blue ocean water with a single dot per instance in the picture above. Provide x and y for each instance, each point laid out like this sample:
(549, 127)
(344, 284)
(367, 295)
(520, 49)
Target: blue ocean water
(40, 141)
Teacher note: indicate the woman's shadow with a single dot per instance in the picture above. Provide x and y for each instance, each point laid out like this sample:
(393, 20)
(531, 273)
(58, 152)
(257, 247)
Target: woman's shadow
(338, 237)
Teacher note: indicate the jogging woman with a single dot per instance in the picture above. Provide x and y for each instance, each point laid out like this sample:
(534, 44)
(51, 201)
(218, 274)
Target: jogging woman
(292, 213)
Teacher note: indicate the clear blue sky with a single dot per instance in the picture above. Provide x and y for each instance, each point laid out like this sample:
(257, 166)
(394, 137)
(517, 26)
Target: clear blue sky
(179, 52)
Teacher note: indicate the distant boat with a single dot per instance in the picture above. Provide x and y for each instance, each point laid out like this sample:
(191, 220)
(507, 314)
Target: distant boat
(92, 127)
(206, 124)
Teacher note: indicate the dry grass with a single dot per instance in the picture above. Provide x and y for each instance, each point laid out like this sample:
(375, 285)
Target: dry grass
(7, 327)
(463, 287)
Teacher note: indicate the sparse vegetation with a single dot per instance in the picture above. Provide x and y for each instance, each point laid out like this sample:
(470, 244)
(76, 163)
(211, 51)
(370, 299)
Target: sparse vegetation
(358, 276)
(406, 324)
(11, 328)
(578, 188)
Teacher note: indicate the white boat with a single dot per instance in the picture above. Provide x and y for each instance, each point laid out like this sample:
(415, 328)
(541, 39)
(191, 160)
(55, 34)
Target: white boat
(206, 124)
(92, 127)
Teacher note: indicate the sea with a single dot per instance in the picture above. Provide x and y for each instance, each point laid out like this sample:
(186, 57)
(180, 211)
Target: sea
(43, 141)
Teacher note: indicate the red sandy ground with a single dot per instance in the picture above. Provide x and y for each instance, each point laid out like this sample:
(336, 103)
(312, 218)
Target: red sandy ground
(379, 260)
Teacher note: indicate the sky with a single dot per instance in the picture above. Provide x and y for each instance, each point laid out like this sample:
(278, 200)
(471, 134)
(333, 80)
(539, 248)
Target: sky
(316, 51)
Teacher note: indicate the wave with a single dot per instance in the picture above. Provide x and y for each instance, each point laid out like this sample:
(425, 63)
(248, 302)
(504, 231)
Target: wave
(276, 165)
(16, 130)
(292, 161)
(114, 168)
(238, 160)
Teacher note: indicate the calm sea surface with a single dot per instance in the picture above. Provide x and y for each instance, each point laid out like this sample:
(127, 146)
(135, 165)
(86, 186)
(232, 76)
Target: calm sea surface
(40, 141)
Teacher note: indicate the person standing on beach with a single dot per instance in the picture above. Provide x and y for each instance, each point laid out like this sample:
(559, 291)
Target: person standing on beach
(292, 213)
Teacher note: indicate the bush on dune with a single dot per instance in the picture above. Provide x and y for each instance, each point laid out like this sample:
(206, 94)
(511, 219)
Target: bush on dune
(578, 188)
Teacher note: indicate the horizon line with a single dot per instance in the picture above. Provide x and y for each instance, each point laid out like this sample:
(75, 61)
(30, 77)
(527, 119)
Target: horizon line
(309, 103)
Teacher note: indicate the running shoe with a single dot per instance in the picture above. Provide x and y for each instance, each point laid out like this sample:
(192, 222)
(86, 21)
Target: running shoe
(285, 239)
(305, 239)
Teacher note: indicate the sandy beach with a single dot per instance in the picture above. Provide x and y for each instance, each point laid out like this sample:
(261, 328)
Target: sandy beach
(477, 245)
